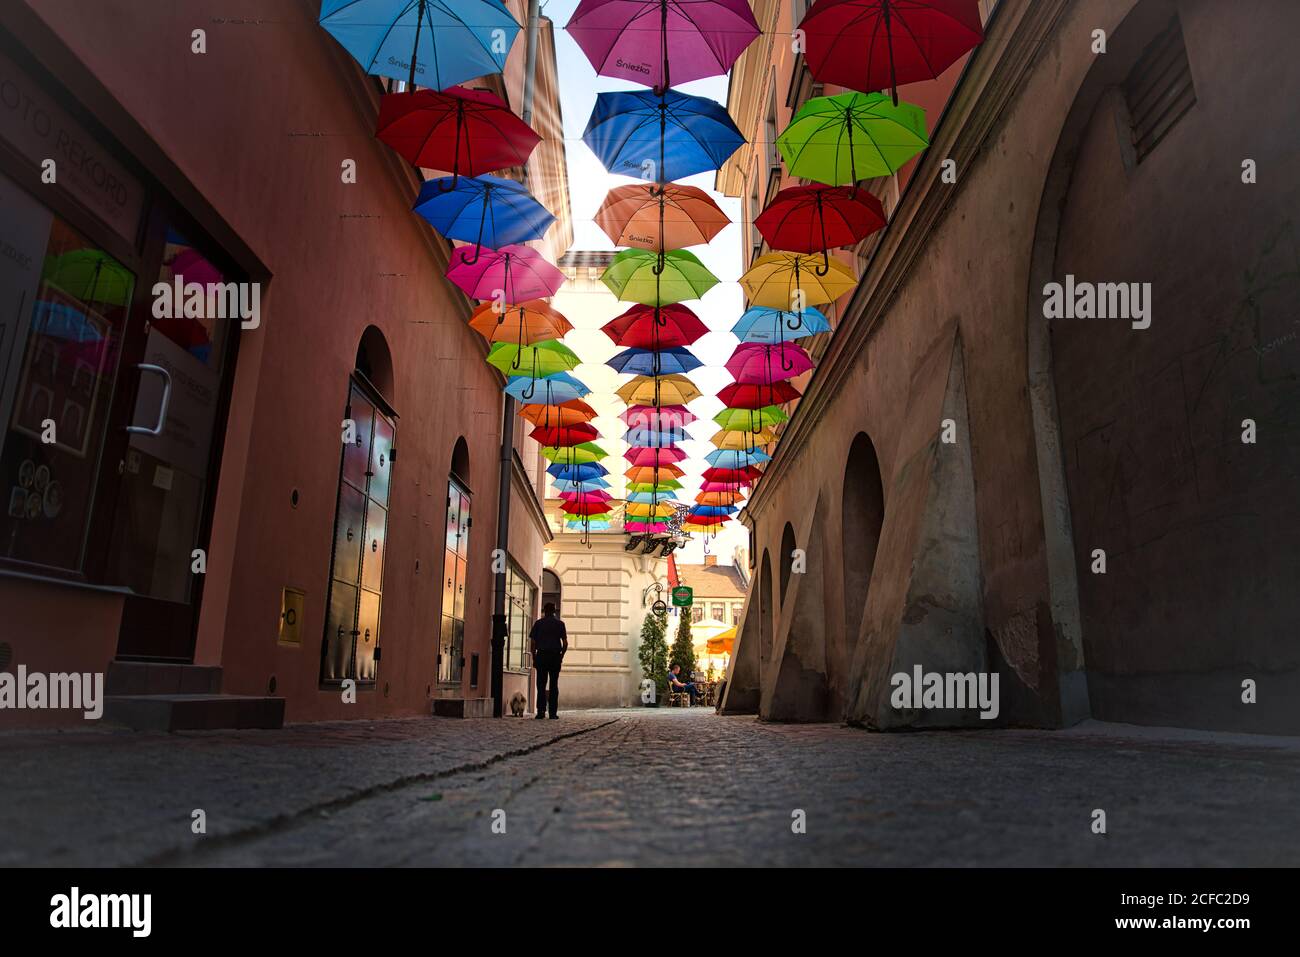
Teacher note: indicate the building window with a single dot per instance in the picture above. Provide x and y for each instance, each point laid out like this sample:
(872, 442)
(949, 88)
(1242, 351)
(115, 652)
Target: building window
(455, 571)
(1159, 90)
(697, 614)
(520, 613)
(736, 610)
(719, 611)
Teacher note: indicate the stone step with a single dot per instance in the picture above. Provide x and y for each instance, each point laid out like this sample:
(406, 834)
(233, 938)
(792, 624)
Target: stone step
(155, 678)
(193, 712)
(462, 707)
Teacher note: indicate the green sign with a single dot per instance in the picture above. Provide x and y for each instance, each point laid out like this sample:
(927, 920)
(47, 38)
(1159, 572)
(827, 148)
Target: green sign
(683, 596)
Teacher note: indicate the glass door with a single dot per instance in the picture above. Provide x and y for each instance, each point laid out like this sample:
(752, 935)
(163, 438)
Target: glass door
(455, 565)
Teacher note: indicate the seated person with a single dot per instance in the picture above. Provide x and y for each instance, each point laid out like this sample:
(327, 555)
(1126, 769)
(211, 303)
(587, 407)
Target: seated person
(675, 682)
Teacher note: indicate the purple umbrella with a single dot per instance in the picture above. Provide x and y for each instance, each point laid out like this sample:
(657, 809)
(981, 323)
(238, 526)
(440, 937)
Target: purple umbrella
(655, 42)
(756, 362)
(519, 272)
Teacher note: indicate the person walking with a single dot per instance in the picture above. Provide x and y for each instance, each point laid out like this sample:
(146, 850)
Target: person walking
(549, 641)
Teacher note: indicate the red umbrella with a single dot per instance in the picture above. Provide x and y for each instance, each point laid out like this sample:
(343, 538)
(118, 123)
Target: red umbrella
(764, 363)
(743, 476)
(561, 436)
(813, 219)
(870, 45)
(458, 130)
(654, 458)
(585, 508)
(749, 395)
(650, 327)
(586, 498)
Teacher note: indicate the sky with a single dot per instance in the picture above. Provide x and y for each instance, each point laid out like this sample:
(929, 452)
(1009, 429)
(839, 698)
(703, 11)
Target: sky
(720, 307)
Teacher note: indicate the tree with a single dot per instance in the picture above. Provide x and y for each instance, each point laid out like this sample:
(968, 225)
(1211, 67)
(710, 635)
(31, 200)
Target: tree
(683, 652)
(653, 653)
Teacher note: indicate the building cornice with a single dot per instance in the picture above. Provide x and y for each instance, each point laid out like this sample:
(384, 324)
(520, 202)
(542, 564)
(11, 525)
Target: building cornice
(992, 77)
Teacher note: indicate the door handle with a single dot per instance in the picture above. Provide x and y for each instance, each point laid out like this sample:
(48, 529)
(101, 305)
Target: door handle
(166, 399)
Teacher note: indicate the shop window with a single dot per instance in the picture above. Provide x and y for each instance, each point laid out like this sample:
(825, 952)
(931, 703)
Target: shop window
(522, 600)
(455, 572)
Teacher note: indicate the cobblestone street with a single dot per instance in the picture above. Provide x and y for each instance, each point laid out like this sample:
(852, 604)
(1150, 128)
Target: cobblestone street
(652, 787)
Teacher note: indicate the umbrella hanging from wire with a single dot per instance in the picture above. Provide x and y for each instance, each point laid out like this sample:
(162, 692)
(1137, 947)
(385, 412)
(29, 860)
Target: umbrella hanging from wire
(747, 395)
(766, 364)
(751, 420)
(551, 390)
(660, 218)
(784, 280)
(838, 140)
(539, 361)
(641, 276)
(661, 418)
(487, 211)
(571, 412)
(576, 473)
(811, 219)
(774, 326)
(522, 325)
(655, 327)
(659, 391)
(514, 273)
(654, 362)
(562, 435)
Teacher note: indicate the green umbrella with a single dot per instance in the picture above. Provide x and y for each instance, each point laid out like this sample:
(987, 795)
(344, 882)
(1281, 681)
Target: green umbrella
(538, 360)
(663, 485)
(574, 454)
(750, 420)
(91, 276)
(844, 138)
(639, 275)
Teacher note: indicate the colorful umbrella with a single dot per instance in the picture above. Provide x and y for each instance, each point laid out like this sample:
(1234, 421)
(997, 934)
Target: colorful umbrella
(701, 519)
(639, 134)
(646, 473)
(841, 139)
(576, 473)
(659, 42)
(878, 44)
(660, 218)
(560, 435)
(585, 508)
(438, 42)
(719, 498)
(657, 279)
(758, 362)
(598, 495)
(711, 511)
(655, 327)
(649, 438)
(734, 477)
(765, 324)
(751, 420)
(748, 395)
(651, 498)
(465, 132)
(483, 210)
(524, 324)
(650, 362)
(645, 528)
(810, 219)
(660, 418)
(735, 458)
(773, 281)
(564, 485)
(551, 390)
(89, 275)
(654, 457)
(662, 487)
(739, 439)
(566, 413)
(582, 454)
(659, 391)
(644, 510)
(513, 273)
(539, 361)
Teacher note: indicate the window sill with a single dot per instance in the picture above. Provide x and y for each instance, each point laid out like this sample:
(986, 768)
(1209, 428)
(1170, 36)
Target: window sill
(67, 582)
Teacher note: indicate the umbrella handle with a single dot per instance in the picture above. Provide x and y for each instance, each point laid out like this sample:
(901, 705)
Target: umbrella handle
(471, 260)
(478, 242)
(825, 267)
(786, 364)
(530, 391)
(658, 269)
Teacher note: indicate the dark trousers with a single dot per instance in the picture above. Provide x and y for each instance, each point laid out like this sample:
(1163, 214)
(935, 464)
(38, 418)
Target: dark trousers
(547, 664)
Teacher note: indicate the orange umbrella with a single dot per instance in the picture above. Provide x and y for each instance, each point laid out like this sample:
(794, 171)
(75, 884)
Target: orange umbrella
(682, 216)
(647, 473)
(719, 498)
(552, 416)
(723, 643)
(522, 325)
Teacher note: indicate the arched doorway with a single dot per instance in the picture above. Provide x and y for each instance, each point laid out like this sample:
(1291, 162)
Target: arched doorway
(787, 559)
(862, 516)
(552, 590)
(766, 624)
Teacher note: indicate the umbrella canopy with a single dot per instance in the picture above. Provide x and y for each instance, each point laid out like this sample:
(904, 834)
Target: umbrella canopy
(461, 131)
(585, 508)
(841, 139)
(751, 420)
(650, 362)
(810, 219)
(723, 643)
(483, 210)
(645, 528)
(712, 486)
(592, 484)
(522, 325)
(649, 438)
(663, 418)
(90, 275)
(758, 362)
(711, 511)
(736, 458)
(719, 498)
(655, 327)
(651, 497)
(878, 44)
(562, 435)
(662, 487)
(659, 42)
(435, 43)
(652, 457)
(539, 360)
(566, 413)
(551, 390)
(748, 395)
(645, 473)
(644, 510)
(597, 495)
(660, 138)
(515, 273)
(765, 324)
(576, 473)
(659, 390)
(656, 280)
(654, 218)
(773, 280)
(735, 477)
(696, 518)
(574, 454)
(737, 439)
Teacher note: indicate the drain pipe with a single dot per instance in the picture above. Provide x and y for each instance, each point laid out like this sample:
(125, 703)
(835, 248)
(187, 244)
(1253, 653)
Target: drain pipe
(500, 627)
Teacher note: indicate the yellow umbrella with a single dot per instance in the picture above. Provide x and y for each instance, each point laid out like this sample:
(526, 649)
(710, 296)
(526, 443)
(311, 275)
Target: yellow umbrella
(773, 280)
(642, 509)
(722, 643)
(735, 439)
(671, 390)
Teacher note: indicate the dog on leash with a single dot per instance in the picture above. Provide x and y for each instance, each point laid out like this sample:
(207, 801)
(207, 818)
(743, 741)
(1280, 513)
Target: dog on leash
(517, 704)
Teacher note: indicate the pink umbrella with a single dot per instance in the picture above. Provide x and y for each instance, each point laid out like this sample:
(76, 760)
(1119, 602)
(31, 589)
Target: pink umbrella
(585, 498)
(721, 486)
(643, 528)
(757, 362)
(654, 457)
(520, 272)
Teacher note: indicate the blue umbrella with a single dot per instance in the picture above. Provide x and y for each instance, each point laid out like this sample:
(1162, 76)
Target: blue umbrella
(650, 362)
(565, 485)
(650, 439)
(713, 510)
(439, 42)
(651, 498)
(735, 458)
(577, 473)
(632, 131)
(61, 321)
(774, 326)
(483, 210)
(599, 525)
(548, 390)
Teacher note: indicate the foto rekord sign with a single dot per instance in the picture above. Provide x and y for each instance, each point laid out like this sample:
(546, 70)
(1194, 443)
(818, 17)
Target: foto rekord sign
(683, 596)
